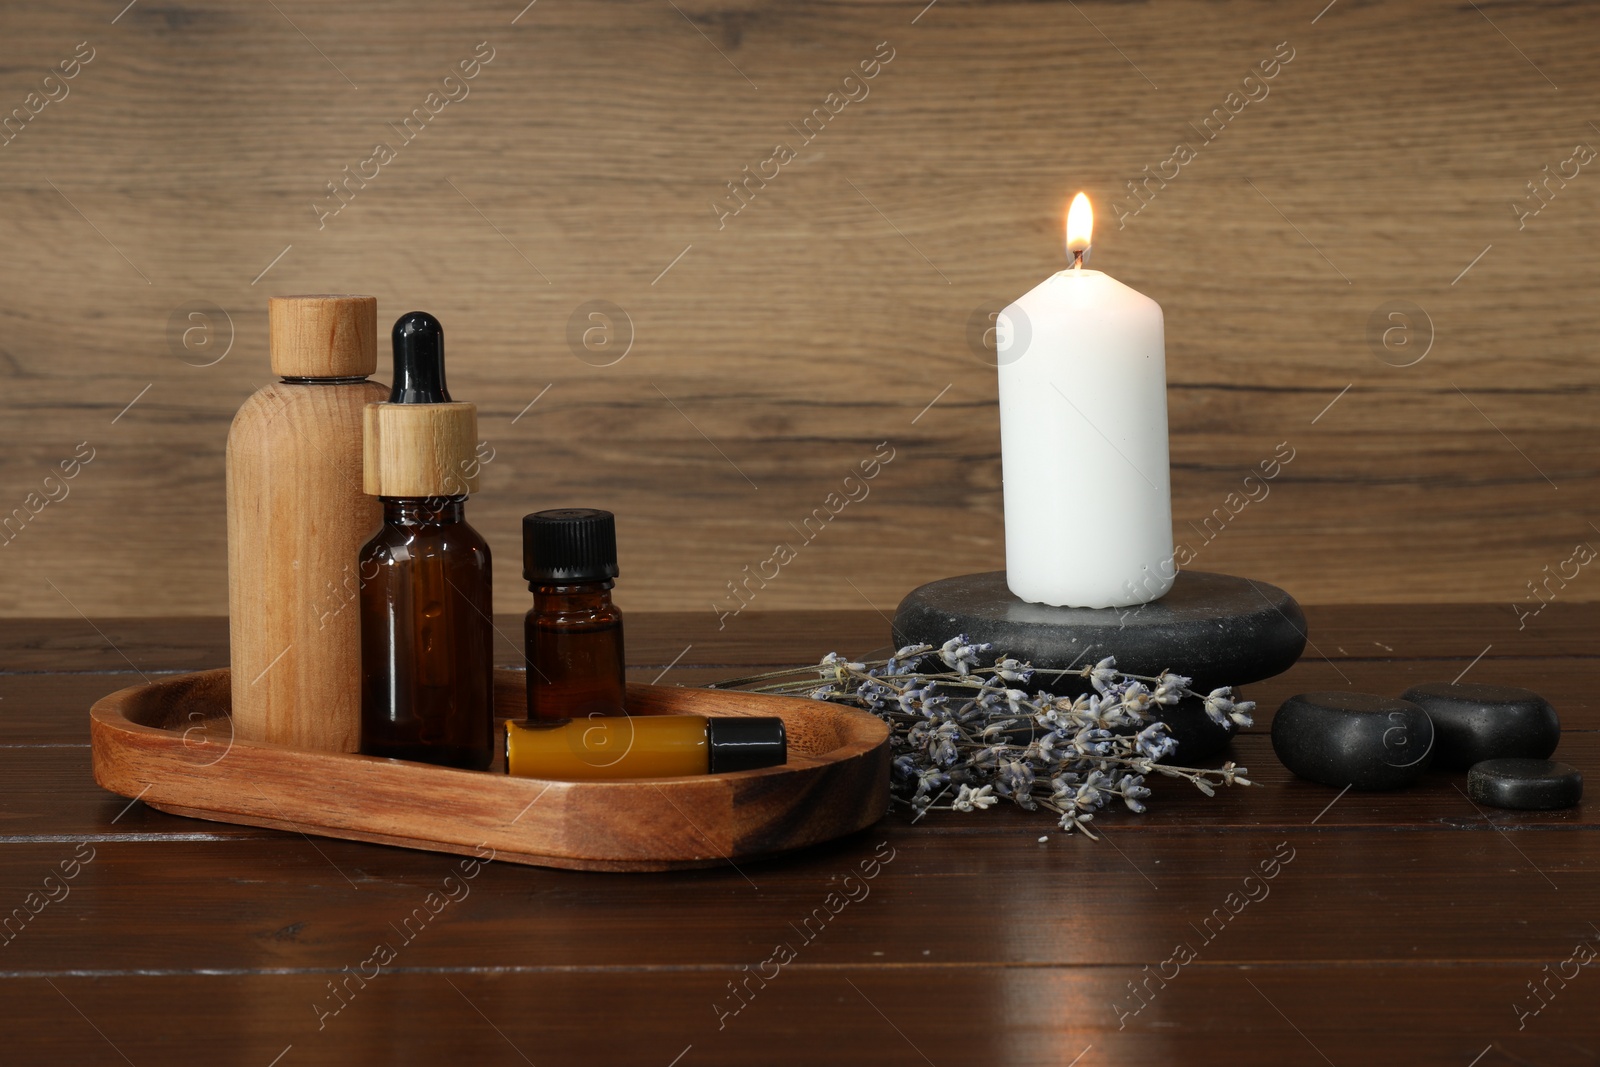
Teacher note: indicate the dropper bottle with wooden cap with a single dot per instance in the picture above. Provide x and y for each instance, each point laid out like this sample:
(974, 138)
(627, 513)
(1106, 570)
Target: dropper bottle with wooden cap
(296, 519)
(427, 635)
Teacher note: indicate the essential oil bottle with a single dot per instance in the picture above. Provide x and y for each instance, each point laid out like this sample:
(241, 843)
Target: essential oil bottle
(644, 746)
(573, 635)
(427, 635)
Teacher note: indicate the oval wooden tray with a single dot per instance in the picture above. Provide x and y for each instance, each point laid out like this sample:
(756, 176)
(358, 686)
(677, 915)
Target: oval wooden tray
(170, 744)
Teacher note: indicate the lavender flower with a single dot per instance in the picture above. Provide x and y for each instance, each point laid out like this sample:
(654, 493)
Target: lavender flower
(961, 655)
(1153, 742)
(942, 744)
(1106, 712)
(1103, 674)
(874, 695)
(977, 732)
(1014, 778)
(1133, 792)
(905, 660)
(931, 780)
(910, 700)
(970, 798)
(1170, 688)
(1045, 748)
(1222, 708)
(1073, 819)
(1009, 670)
(836, 666)
(1089, 794)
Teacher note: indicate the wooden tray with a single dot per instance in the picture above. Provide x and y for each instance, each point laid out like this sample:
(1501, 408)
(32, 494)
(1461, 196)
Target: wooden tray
(170, 743)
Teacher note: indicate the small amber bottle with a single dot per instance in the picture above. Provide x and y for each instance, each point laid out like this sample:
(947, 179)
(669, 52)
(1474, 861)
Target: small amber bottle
(573, 634)
(427, 635)
(644, 746)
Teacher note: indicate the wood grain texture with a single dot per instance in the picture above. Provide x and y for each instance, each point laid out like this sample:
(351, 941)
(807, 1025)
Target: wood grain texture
(1409, 632)
(35, 704)
(296, 522)
(326, 336)
(420, 450)
(1404, 929)
(529, 919)
(171, 744)
(53, 793)
(1389, 1017)
(764, 355)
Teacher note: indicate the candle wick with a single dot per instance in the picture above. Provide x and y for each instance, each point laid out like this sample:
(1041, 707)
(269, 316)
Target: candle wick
(1077, 259)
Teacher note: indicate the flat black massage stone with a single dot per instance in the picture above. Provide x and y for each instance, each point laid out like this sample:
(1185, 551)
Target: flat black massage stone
(1474, 722)
(1215, 628)
(1525, 784)
(1360, 740)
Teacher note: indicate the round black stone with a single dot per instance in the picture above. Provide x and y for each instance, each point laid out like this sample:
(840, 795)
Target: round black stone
(1525, 784)
(1215, 628)
(1474, 723)
(1356, 739)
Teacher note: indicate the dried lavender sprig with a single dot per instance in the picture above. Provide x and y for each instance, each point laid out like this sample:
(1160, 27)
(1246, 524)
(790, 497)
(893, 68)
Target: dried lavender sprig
(1071, 763)
(1219, 703)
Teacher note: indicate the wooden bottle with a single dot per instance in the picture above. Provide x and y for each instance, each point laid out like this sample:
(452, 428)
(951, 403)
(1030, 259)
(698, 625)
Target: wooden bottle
(297, 518)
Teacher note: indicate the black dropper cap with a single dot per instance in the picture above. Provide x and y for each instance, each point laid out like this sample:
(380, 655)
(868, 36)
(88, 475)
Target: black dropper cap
(745, 743)
(418, 360)
(569, 545)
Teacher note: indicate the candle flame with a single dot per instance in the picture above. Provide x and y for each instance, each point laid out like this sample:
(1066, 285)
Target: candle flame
(1080, 224)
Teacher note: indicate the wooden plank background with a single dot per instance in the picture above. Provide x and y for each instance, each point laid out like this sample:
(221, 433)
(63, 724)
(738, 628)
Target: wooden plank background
(771, 355)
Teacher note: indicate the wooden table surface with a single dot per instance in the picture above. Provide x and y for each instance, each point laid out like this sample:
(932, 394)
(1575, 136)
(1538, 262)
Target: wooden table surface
(1394, 928)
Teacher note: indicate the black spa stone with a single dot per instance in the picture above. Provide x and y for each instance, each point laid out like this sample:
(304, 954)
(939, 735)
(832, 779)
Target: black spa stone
(1215, 628)
(1356, 739)
(1525, 784)
(1473, 723)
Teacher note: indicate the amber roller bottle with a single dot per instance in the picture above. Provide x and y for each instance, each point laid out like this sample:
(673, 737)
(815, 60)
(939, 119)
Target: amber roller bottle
(296, 519)
(644, 746)
(427, 636)
(573, 635)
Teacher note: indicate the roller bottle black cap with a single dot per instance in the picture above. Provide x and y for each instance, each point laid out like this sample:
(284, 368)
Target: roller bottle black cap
(566, 545)
(745, 743)
(418, 360)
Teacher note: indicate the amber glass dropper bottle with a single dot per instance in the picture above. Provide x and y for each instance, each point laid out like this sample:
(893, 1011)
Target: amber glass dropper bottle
(573, 635)
(427, 635)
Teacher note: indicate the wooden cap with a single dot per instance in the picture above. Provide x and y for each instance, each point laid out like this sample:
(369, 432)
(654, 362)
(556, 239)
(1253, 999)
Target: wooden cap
(323, 336)
(421, 450)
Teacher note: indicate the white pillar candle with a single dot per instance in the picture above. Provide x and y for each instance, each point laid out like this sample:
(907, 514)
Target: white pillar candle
(1083, 438)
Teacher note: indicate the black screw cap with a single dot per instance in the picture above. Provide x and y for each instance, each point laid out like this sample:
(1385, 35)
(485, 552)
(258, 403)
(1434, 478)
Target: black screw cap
(569, 545)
